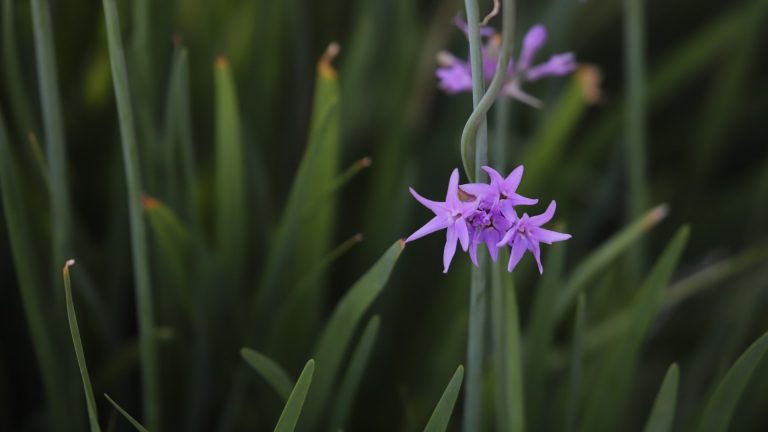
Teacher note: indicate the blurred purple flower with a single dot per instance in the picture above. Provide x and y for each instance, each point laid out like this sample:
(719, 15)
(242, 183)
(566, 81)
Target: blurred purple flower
(454, 75)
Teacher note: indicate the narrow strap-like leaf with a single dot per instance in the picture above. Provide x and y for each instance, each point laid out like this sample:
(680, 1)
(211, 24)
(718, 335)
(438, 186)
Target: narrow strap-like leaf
(90, 400)
(292, 410)
(663, 412)
(131, 420)
(441, 416)
(719, 410)
(271, 371)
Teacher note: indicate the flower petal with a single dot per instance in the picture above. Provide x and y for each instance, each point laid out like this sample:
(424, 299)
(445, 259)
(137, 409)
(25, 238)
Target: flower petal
(532, 43)
(450, 248)
(437, 208)
(435, 224)
(533, 246)
(545, 217)
(455, 77)
(513, 180)
(479, 190)
(452, 195)
(496, 178)
(557, 65)
(461, 229)
(518, 249)
(548, 236)
(473, 254)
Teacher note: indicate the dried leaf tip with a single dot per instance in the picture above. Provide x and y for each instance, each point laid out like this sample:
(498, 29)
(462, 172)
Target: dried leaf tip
(655, 215)
(357, 238)
(402, 244)
(590, 78)
(221, 61)
(365, 162)
(177, 39)
(67, 265)
(149, 202)
(324, 66)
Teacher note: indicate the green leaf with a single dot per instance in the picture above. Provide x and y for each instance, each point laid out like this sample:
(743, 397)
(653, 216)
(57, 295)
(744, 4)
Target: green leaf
(292, 410)
(90, 400)
(721, 405)
(15, 86)
(271, 371)
(611, 387)
(54, 140)
(140, 254)
(131, 420)
(575, 369)
(306, 240)
(337, 333)
(174, 245)
(17, 219)
(441, 416)
(510, 410)
(663, 412)
(605, 255)
(344, 400)
(547, 147)
(230, 227)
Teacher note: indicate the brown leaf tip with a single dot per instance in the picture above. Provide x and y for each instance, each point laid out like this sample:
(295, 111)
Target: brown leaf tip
(67, 265)
(221, 61)
(402, 244)
(655, 215)
(149, 202)
(324, 66)
(365, 162)
(590, 79)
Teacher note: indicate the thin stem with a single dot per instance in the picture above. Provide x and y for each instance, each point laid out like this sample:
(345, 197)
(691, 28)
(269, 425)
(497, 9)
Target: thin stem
(150, 370)
(473, 138)
(635, 123)
(474, 153)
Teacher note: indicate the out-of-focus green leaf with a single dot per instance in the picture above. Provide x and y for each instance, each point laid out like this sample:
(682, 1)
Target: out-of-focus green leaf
(539, 333)
(140, 254)
(305, 240)
(230, 227)
(546, 147)
(663, 412)
(271, 371)
(718, 411)
(14, 84)
(17, 219)
(604, 255)
(292, 410)
(333, 342)
(174, 245)
(610, 389)
(508, 383)
(345, 397)
(53, 123)
(441, 416)
(575, 367)
(136, 425)
(93, 413)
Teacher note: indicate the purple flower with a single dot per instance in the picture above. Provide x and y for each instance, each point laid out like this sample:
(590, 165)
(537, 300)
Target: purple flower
(479, 213)
(450, 215)
(527, 233)
(455, 76)
(502, 191)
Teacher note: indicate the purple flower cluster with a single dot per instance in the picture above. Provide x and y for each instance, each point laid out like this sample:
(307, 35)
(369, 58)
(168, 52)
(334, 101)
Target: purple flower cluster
(479, 213)
(454, 75)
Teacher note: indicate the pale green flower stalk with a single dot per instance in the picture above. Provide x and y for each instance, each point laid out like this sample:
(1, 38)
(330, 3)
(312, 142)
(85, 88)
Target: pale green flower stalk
(475, 132)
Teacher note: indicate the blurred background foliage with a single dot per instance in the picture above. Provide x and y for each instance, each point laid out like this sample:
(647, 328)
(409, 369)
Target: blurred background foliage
(228, 99)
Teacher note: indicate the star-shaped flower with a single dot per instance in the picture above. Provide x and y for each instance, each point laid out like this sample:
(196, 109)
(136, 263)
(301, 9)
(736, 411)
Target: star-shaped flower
(449, 215)
(502, 191)
(527, 233)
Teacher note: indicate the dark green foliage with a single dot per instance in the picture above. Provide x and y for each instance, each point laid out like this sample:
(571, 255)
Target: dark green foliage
(192, 157)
